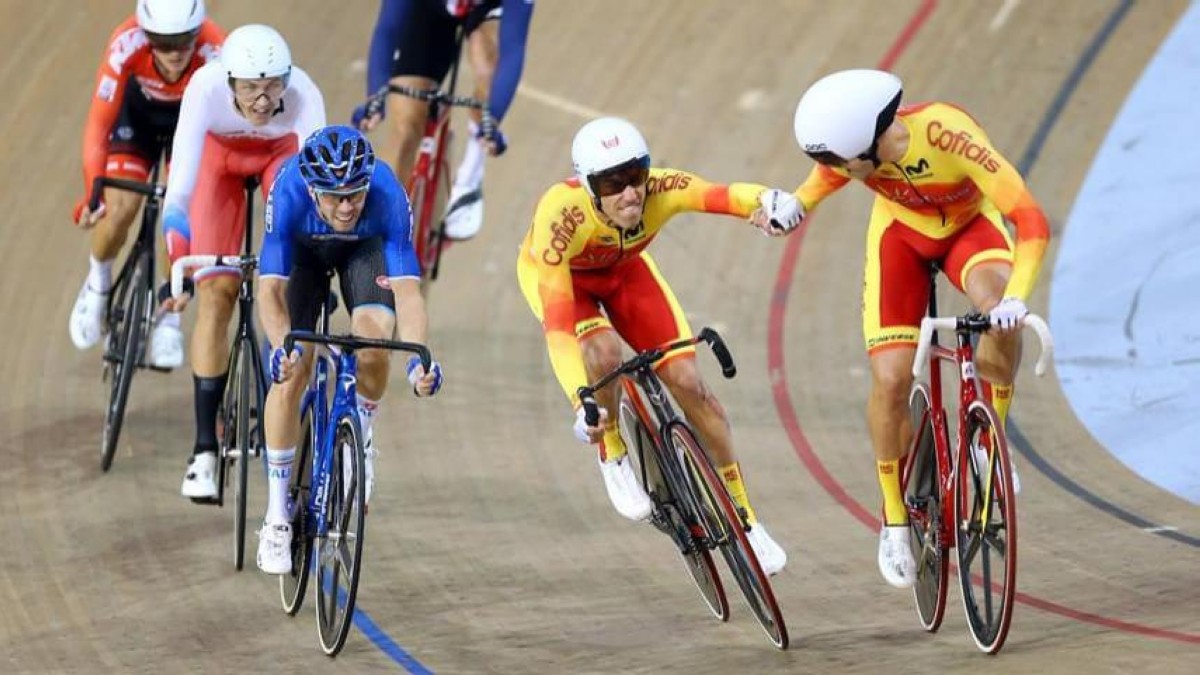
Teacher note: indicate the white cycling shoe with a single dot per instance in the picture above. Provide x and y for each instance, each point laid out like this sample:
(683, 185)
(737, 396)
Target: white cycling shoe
(464, 215)
(624, 490)
(369, 455)
(86, 324)
(896, 561)
(200, 480)
(771, 556)
(275, 548)
(166, 346)
(981, 461)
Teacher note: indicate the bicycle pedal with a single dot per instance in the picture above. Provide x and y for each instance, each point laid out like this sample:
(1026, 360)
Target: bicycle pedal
(158, 369)
(207, 501)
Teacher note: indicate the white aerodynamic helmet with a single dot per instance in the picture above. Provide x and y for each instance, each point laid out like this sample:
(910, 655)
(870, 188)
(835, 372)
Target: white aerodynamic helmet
(605, 144)
(170, 17)
(256, 51)
(842, 115)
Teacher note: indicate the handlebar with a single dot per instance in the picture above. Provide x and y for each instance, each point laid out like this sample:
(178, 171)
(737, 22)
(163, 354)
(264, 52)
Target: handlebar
(487, 125)
(587, 398)
(245, 263)
(979, 323)
(351, 343)
(151, 190)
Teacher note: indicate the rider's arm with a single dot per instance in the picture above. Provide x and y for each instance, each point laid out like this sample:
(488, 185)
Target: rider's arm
(514, 33)
(106, 104)
(311, 114)
(682, 191)
(384, 43)
(822, 181)
(1003, 185)
(186, 150)
(400, 258)
(552, 247)
(274, 267)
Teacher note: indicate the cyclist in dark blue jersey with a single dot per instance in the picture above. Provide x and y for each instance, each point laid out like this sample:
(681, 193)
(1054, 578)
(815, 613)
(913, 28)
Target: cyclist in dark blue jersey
(414, 46)
(331, 210)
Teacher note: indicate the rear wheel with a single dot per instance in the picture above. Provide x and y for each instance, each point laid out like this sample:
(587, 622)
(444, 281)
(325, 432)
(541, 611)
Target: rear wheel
(724, 525)
(986, 519)
(339, 552)
(293, 584)
(126, 326)
(922, 495)
(698, 561)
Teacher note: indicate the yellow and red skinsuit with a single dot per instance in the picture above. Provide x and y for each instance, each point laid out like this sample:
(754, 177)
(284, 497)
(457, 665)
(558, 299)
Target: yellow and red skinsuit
(127, 58)
(940, 201)
(570, 250)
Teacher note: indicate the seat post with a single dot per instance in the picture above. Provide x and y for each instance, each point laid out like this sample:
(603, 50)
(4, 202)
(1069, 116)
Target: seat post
(251, 183)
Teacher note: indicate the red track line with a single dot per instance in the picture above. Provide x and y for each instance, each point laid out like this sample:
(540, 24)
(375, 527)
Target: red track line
(777, 368)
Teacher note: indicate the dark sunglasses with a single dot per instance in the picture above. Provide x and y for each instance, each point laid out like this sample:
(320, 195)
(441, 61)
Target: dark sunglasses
(180, 42)
(609, 182)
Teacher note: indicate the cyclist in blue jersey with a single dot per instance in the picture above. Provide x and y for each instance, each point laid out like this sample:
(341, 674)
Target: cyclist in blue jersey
(413, 46)
(333, 209)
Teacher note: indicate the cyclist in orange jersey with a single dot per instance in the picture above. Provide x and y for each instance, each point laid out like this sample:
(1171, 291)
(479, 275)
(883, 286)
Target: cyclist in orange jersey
(149, 61)
(942, 189)
(586, 275)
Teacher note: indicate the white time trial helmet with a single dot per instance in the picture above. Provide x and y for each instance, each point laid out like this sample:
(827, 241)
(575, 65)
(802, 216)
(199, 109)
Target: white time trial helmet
(607, 146)
(170, 17)
(842, 115)
(255, 51)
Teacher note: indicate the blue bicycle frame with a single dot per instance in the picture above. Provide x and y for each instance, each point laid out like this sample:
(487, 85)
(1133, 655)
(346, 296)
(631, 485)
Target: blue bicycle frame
(324, 419)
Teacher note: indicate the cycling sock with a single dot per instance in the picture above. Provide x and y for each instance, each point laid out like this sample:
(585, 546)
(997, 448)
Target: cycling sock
(367, 409)
(208, 393)
(169, 319)
(279, 473)
(612, 446)
(732, 475)
(99, 274)
(1001, 399)
(470, 172)
(894, 512)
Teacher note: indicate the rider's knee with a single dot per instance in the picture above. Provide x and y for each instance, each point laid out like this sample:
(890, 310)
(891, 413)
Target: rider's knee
(218, 293)
(893, 383)
(602, 353)
(683, 378)
(373, 361)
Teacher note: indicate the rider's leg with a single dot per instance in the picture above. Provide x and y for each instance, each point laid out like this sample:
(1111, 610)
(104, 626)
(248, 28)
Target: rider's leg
(601, 354)
(888, 423)
(482, 53)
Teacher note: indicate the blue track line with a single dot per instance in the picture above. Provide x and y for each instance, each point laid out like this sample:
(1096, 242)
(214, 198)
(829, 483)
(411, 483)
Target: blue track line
(1028, 159)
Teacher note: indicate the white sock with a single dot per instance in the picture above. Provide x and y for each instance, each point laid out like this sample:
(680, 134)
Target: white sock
(279, 472)
(169, 319)
(367, 409)
(470, 171)
(99, 274)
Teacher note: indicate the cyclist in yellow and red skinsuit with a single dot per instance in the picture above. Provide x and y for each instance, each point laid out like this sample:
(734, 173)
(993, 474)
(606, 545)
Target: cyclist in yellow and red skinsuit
(149, 61)
(586, 275)
(941, 190)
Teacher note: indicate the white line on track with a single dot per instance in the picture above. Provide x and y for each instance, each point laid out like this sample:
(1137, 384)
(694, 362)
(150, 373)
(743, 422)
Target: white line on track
(558, 102)
(1160, 528)
(1001, 17)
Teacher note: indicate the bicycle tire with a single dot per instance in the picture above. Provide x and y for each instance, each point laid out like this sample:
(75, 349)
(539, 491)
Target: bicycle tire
(698, 562)
(245, 377)
(983, 493)
(924, 499)
(346, 508)
(129, 332)
(293, 584)
(721, 515)
(422, 226)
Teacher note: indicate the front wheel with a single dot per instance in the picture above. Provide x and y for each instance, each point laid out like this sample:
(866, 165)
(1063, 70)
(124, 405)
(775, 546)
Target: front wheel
(725, 526)
(339, 551)
(293, 584)
(126, 325)
(986, 519)
(924, 499)
(698, 560)
(246, 387)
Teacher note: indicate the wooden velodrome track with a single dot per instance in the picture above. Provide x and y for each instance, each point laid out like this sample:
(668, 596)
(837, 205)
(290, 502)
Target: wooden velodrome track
(492, 547)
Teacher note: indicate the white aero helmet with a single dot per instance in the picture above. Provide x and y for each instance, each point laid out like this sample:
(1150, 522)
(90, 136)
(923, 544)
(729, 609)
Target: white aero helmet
(255, 51)
(170, 17)
(604, 144)
(842, 115)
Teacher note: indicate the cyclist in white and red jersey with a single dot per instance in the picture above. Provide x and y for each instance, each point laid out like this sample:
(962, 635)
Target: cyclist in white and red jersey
(242, 117)
(149, 60)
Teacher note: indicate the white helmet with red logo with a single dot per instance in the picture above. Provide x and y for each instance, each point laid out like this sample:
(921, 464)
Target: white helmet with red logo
(255, 51)
(170, 17)
(604, 144)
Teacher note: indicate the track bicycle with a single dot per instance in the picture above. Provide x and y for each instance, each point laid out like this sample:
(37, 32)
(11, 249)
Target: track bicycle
(242, 438)
(326, 494)
(691, 504)
(129, 314)
(962, 496)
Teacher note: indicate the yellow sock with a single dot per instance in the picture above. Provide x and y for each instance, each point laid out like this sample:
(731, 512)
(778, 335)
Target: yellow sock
(894, 511)
(612, 446)
(732, 475)
(1001, 399)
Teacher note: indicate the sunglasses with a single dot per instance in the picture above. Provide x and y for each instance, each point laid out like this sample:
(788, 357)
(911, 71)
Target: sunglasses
(352, 193)
(609, 182)
(180, 42)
